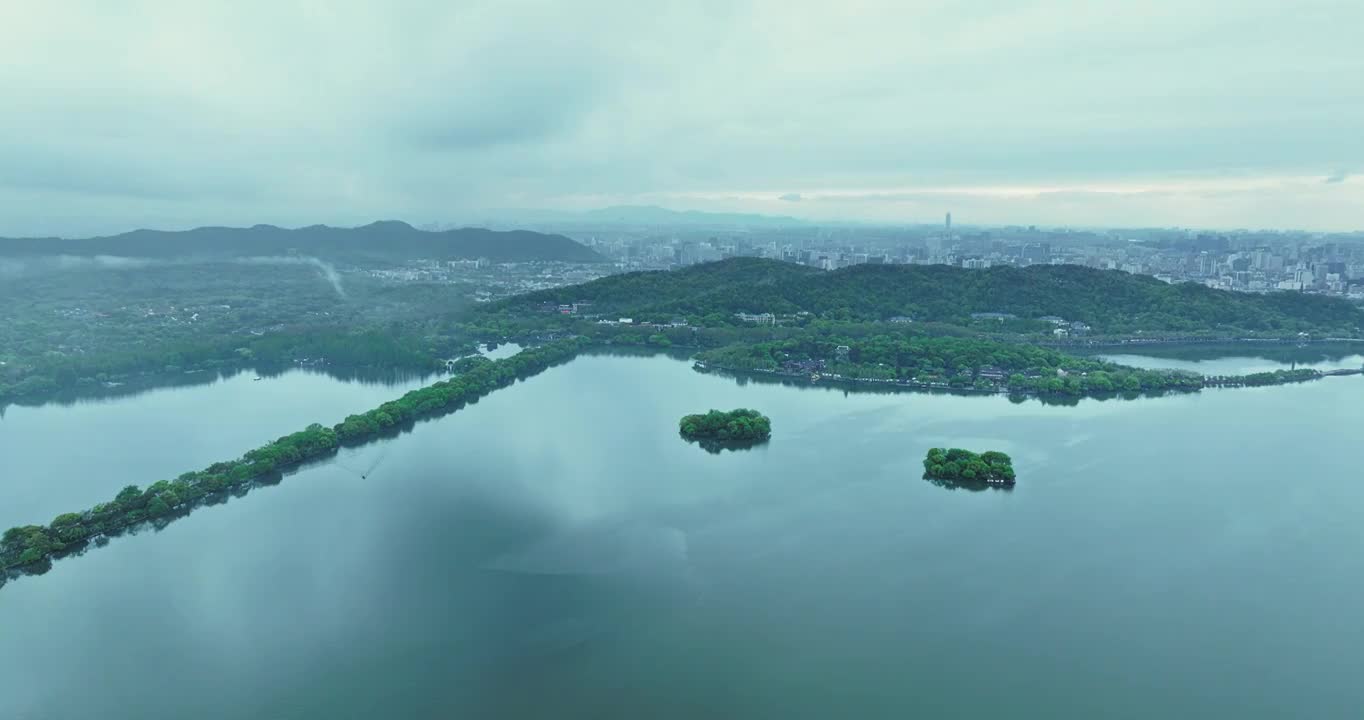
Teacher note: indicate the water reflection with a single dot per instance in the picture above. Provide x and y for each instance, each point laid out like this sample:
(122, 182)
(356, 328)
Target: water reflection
(1236, 359)
(967, 485)
(635, 351)
(1281, 353)
(364, 471)
(97, 393)
(94, 392)
(715, 447)
(609, 548)
(155, 525)
(551, 555)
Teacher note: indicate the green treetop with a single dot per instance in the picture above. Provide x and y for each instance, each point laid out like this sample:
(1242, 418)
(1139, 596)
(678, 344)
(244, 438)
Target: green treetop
(957, 465)
(740, 425)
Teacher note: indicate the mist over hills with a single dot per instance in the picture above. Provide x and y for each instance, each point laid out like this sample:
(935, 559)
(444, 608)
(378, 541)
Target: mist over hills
(379, 240)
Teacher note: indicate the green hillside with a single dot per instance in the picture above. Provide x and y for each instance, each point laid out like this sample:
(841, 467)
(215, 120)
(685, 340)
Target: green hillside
(1110, 301)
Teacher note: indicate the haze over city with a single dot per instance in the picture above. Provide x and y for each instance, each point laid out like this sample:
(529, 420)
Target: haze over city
(1220, 114)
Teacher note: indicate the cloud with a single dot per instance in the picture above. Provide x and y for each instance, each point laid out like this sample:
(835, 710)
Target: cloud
(1336, 177)
(158, 113)
(324, 268)
(525, 91)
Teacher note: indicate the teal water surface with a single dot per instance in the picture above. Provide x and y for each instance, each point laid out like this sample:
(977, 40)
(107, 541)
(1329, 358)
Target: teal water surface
(1236, 365)
(555, 550)
(63, 457)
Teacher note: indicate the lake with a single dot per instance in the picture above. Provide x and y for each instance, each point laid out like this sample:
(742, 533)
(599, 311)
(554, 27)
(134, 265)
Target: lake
(62, 457)
(73, 454)
(555, 550)
(1222, 360)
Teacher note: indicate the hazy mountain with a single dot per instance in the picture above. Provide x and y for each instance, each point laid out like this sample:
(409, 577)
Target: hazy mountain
(652, 215)
(634, 215)
(388, 239)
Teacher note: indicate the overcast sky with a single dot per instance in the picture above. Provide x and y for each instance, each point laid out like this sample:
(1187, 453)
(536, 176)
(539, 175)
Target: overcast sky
(1216, 113)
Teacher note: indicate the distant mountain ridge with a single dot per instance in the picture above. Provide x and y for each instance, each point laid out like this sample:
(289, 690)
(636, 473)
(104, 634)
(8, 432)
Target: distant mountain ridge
(385, 239)
(1109, 300)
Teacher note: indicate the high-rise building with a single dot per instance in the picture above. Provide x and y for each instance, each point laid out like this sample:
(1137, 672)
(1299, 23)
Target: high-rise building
(949, 223)
(1036, 253)
(934, 245)
(1206, 263)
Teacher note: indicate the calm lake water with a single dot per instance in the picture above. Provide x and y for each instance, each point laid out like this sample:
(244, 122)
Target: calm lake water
(66, 457)
(1207, 361)
(556, 551)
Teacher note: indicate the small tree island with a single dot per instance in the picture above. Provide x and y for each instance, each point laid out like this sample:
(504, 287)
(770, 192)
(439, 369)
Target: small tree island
(737, 427)
(963, 466)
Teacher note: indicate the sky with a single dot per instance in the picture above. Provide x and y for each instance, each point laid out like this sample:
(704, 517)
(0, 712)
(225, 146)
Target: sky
(152, 113)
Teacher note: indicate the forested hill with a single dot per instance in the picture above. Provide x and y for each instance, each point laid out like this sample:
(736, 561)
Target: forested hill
(377, 240)
(1109, 300)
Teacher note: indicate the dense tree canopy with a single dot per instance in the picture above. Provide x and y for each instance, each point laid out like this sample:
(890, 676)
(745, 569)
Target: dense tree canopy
(955, 362)
(1110, 301)
(73, 331)
(741, 425)
(849, 353)
(957, 465)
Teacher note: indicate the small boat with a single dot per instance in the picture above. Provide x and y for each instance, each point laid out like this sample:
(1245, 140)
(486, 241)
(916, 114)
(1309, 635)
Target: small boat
(256, 379)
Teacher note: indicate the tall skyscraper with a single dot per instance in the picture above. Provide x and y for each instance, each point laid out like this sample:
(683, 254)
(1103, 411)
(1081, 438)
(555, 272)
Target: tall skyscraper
(949, 222)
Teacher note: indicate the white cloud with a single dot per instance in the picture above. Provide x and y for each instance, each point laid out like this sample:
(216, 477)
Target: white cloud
(164, 113)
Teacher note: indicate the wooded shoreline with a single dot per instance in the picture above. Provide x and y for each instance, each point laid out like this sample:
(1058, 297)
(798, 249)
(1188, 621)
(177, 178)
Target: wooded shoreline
(1275, 377)
(32, 547)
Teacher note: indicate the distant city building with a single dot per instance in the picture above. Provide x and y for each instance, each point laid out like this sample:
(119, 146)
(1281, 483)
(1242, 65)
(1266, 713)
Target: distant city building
(990, 372)
(1243, 261)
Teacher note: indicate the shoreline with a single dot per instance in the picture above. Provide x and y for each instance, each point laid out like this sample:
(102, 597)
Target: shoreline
(814, 380)
(31, 549)
(1143, 342)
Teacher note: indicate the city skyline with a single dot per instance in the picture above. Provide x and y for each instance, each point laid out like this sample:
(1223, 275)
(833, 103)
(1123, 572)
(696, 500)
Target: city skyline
(550, 220)
(1256, 262)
